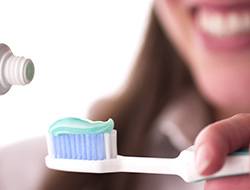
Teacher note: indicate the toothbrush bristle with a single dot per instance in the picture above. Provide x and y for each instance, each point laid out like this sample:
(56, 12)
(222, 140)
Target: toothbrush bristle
(82, 146)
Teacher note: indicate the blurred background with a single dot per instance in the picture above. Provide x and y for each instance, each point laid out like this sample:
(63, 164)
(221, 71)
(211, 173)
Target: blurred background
(82, 51)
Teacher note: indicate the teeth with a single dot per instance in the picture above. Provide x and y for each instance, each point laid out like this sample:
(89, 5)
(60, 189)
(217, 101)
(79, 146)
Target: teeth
(223, 25)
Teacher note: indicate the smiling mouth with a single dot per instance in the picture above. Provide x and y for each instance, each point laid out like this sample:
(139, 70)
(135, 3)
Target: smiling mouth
(223, 23)
(224, 26)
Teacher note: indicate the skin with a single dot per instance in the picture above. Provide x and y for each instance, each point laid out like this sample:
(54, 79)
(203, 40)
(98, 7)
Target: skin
(223, 79)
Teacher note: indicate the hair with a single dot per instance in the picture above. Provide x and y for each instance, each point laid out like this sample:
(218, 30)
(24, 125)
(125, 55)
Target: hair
(158, 76)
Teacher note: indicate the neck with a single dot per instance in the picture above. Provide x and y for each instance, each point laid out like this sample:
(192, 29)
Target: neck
(223, 114)
(226, 113)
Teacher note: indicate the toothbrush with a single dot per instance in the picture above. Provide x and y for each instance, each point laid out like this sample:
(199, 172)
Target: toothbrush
(92, 149)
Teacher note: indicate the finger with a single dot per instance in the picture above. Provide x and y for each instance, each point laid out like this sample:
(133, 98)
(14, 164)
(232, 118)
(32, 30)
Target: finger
(229, 183)
(217, 140)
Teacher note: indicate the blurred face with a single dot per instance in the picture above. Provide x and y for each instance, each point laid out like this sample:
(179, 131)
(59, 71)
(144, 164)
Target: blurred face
(213, 36)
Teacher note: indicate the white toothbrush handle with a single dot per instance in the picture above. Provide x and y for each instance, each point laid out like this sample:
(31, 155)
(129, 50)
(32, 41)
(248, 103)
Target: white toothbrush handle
(183, 166)
(237, 163)
(118, 164)
(149, 165)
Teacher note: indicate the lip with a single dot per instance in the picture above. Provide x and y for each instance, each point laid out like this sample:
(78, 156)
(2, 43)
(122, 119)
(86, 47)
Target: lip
(218, 3)
(223, 6)
(235, 43)
(231, 44)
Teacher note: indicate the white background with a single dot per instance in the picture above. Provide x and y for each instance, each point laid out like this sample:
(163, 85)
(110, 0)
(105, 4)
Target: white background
(82, 51)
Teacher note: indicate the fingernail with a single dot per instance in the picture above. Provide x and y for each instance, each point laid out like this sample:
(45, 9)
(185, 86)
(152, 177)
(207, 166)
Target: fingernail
(202, 159)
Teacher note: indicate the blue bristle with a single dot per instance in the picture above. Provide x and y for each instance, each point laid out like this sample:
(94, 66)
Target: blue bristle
(88, 147)
(67, 146)
(79, 146)
(83, 147)
(93, 147)
(63, 147)
(55, 146)
(60, 145)
(73, 146)
(100, 147)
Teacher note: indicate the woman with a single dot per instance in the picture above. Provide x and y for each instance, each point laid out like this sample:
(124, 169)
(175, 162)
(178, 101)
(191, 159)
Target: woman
(213, 38)
(192, 71)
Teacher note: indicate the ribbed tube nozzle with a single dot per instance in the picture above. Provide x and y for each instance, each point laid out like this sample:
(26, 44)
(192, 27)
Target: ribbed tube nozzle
(18, 70)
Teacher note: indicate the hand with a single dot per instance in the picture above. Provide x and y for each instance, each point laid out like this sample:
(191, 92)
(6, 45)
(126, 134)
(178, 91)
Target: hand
(215, 142)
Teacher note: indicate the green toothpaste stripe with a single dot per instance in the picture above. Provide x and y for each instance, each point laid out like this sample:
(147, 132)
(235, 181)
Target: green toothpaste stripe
(79, 126)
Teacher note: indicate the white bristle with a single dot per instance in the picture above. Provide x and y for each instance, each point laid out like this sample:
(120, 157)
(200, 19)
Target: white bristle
(50, 146)
(108, 145)
(113, 144)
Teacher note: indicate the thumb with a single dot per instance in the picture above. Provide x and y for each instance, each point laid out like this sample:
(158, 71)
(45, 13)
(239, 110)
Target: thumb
(219, 139)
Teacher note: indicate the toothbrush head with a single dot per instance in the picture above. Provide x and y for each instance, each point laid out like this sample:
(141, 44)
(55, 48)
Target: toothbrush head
(73, 142)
